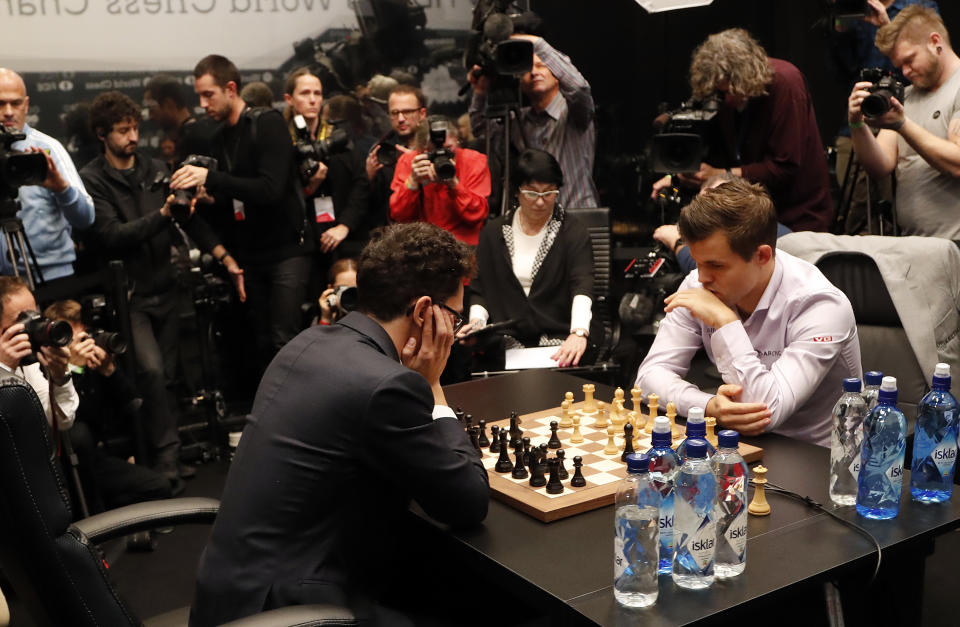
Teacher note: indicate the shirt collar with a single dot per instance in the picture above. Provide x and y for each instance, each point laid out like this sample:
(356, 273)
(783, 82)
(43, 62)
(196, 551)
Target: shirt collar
(772, 287)
(553, 110)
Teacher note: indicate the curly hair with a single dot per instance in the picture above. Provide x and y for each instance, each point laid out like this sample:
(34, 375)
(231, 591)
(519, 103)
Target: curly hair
(731, 55)
(403, 262)
(109, 108)
(915, 23)
(743, 211)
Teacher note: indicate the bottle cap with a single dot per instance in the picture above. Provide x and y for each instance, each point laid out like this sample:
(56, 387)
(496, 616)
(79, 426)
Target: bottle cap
(728, 438)
(661, 424)
(941, 370)
(851, 385)
(873, 377)
(638, 463)
(697, 448)
(889, 384)
(696, 425)
(695, 415)
(661, 436)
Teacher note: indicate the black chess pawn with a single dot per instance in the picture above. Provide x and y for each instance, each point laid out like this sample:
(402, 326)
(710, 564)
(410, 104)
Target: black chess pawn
(554, 486)
(628, 441)
(564, 475)
(515, 432)
(483, 434)
(577, 481)
(503, 463)
(537, 478)
(495, 439)
(554, 440)
(519, 469)
(458, 413)
(475, 438)
(468, 420)
(526, 450)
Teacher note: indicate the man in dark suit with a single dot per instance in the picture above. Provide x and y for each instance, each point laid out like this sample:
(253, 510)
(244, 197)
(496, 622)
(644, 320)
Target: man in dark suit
(349, 423)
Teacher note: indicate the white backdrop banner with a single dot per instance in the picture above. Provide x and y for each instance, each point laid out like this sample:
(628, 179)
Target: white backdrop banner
(118, 35)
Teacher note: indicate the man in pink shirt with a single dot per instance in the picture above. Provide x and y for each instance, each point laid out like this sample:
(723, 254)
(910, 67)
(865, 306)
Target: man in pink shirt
(781, 335)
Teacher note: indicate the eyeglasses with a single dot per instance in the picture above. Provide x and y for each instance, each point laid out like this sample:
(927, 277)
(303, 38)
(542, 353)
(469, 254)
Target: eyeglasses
(458, 318)
(529, 194)
(396, 113)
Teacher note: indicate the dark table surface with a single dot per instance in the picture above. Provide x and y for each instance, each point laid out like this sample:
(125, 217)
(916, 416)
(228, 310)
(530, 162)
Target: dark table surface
(571, 560)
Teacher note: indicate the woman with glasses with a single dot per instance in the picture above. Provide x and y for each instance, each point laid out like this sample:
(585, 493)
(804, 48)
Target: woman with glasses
(535, 266)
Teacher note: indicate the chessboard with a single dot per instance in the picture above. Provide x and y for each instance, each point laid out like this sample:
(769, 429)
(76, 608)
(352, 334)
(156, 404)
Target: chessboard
(602, 471)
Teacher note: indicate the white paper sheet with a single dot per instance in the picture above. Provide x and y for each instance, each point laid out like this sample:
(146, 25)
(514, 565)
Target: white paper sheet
(537, 357)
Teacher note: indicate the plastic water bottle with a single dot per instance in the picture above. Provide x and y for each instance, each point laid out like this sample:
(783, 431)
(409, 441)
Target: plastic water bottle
(731, 515)
(848, 415)
(636, 543)
(881, 459)
(871, 387)
(935, 442)
(664, 465)
(694, 507)
(696, 428)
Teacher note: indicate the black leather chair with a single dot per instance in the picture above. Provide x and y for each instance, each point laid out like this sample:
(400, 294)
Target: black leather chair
(55, 567)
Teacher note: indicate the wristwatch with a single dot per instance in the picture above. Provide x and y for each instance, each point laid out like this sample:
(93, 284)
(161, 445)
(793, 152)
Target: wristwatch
(581, 333)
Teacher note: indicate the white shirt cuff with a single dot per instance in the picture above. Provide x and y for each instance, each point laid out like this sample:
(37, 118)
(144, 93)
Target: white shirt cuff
(479, 312)
(581, 312)
(729, 342)
(442, 411)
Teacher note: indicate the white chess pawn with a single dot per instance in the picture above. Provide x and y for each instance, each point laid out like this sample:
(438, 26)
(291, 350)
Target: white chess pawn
(601, 422)
(566, 420)
(611, 448)
(576, 437)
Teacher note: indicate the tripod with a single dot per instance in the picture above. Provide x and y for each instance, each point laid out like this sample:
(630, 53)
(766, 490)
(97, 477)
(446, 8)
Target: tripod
(18, 244)
(503, 103)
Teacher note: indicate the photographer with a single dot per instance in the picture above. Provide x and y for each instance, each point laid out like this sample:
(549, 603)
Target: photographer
(446, 186)
(257, 184)
(343, 275)
(49, 371)
(135, 222)
(920, 139)
(767, 128)
(166, 105)
(559, 119)
(52, 210)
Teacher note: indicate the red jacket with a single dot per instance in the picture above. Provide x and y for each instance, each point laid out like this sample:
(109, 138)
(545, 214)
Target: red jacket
(461, 211)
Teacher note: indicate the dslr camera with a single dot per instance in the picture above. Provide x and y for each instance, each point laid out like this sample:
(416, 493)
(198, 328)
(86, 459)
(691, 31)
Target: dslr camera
(180, 207)
(18, 168)
(885, 86)
(681, 144)
(440, 157)
(110, 341)
(388, 153)
(650, 280)
(43, 332)
(343, 300)
(310, 154)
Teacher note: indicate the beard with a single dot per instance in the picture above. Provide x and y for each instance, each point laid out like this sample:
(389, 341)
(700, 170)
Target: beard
(122, 151)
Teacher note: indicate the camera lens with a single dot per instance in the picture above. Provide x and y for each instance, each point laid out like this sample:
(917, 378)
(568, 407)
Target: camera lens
(876, 104)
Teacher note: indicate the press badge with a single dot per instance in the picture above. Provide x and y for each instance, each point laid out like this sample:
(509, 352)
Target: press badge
(323, 209)
(238, 213)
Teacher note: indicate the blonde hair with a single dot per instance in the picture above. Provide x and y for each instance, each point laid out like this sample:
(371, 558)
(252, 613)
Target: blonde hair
(915, 23)
(731, 55)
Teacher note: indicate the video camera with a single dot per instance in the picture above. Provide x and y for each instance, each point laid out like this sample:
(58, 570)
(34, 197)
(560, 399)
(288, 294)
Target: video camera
(18, 168)
(885, 86)
(311, 153)
(653, 278)
(440, 157)
(43, 332)
(182, 198)
(501, 59)
(681, 144)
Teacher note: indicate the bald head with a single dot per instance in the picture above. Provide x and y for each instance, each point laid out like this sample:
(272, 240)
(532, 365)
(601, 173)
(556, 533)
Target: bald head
(13, 100)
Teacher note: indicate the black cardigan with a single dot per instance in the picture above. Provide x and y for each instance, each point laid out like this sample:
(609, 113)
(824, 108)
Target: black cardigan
(567, 270)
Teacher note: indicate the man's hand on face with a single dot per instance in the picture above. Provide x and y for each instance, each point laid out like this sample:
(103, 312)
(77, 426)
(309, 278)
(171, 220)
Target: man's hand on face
(703, 305)
(436, 338)
(747, 418)
(14, 345)
(55, 360)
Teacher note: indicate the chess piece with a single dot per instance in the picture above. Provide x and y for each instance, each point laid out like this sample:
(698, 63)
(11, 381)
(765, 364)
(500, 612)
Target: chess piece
(568, 397)
(601, 422)
(617, 395)
(653, 408)
(484, 442)
(672, 416)
(564, 475)
(494, 439)
(636, 398)
(458, 413)
(553, 485)
(628, 447)
(515, 431)
(639, 421)
(618, 415)
(554, 440)
(475, 438)
(503, 463)
(537, 478)
(519, 469)
(589, 403)
(611, 448)
(577, 437)
(759, 506)
(468, 421)
(566, 420)
(711, 423)
(525, 442)
(577, 481)
(541, 452)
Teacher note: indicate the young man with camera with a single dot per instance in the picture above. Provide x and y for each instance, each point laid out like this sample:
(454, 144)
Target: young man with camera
(442, 184)
(41, 364)
(920, 137)
(137, 223)
(49, 211)
(781, 335)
